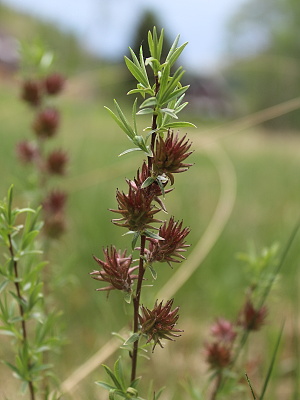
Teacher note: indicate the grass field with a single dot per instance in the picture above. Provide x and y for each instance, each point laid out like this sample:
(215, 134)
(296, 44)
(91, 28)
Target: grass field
(244, 188)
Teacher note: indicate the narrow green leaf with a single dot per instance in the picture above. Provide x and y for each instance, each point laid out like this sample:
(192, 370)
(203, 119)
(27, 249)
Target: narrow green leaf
(152, 235)
(112, 376)
(28, 239)
(157, 395)
(137, 72)
(9, 204)
(170, 95)
(3, 284)
(128, 297)
(134, 240)
(263, 392)
(143, 67)
(160, 44)
(139, 141)
(180, 124)
(129, 151)
(172, 59)
(169, 112)
(173, 48)
(105, 385)
(153, 272)
(124, 120)
(119, 373)
(148, 182)
(134, 116)
(145, 111)
(133, 338)
(164, 80)
(117, 120)
(151, 101)
(151, 44)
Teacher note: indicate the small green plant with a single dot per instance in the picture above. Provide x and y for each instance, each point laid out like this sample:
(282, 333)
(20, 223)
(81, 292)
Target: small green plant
(161, 97)
(22, 305)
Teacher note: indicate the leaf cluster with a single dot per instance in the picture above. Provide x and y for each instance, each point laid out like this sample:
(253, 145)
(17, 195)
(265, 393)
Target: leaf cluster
(118, 388)
(23, 316)
(161, 91)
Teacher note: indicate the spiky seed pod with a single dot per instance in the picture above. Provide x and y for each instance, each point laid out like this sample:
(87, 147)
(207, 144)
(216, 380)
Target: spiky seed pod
(31, 92)
(170, 249)
(27, 151)
(224, 331)
(159, 323)
(117, 270)
(169, 155)
(251, 318)
(46, 122)
(56, 162)
(136, 209)
(54, 83)
(218, 355)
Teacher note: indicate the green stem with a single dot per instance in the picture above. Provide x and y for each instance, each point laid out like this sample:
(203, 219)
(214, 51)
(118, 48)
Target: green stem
(217, 386)
(21, 310)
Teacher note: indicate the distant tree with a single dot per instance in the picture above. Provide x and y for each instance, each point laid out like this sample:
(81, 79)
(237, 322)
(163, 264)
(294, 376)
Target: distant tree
(148, 20)
(267, 33)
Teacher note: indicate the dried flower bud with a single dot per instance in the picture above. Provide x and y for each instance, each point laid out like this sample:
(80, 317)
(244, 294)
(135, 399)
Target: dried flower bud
(54, 83)
(56, 162)
(136, 210)
(218, 355)
(252, 319)
(169, 155)
(46, 122)
(27, 151)
(55, 202)
(159, 323)
(224, 331)
(31, 92)
(117, 270)
(170, 249)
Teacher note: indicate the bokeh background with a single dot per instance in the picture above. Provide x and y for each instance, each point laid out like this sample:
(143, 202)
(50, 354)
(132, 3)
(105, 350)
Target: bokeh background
(242, 62)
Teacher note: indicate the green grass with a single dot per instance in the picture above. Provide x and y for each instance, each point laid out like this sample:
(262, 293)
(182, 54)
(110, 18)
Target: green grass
(265, 211)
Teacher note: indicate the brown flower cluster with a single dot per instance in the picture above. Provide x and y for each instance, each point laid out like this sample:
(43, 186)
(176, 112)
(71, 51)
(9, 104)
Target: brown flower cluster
(159, 323)
(54, 213)
(136, 209)
(251, 318)
(219, 353)
(169, 155)
(116, 270)
(171, 245)
(37, 93)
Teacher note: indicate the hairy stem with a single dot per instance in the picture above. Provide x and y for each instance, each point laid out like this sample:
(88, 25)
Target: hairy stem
(21, 310)
(136, 306)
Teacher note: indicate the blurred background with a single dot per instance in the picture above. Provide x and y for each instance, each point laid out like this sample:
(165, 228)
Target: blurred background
(242, 59)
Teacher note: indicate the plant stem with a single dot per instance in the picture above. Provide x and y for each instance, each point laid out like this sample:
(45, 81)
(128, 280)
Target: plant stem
(154, 124)
(136, 299)
(217, 386)
(136, 306)
(21, 310)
